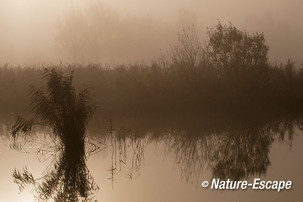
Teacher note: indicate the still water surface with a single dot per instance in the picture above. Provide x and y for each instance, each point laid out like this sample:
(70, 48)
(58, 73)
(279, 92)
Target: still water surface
(165, 165)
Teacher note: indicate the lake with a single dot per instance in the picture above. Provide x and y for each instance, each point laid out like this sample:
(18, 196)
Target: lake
(165, 160)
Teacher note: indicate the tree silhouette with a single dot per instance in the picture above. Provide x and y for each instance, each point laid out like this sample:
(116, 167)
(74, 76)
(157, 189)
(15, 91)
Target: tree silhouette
(227, 47)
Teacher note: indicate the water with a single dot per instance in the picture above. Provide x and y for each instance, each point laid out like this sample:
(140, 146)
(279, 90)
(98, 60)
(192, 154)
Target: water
(161, 163)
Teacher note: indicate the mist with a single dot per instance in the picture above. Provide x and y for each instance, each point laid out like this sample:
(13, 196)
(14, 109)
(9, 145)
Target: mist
(150, 97)
(32, 31)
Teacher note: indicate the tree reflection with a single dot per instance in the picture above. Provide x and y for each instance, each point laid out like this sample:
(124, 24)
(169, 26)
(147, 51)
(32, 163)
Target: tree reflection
(233, 152)
(239, 154)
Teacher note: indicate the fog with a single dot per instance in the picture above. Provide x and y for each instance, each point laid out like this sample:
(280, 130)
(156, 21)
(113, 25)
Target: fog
(119, 31)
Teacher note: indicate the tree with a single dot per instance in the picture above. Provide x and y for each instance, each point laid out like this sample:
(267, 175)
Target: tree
(189, 50)
(87, 35)
(98, 33)
(229, 47)
(72, 37)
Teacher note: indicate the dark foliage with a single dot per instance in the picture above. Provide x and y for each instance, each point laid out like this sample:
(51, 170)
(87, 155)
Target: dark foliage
(230, 75)
(67, 113)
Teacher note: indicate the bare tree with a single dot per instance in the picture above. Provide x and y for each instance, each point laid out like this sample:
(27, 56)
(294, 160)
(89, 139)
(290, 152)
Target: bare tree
(189, 50)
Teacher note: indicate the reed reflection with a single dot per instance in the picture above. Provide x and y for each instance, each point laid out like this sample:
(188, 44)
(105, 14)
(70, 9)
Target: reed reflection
(67, 179)
(124, 142)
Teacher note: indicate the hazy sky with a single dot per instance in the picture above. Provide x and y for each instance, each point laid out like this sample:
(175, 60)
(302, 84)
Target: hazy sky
(27, 27)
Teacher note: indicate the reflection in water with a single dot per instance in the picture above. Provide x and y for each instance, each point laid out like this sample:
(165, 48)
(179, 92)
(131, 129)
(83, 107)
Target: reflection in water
(238, 156)
(234, 151)
(66, 112)
(120, 142)
(230, 153)
(67, 178)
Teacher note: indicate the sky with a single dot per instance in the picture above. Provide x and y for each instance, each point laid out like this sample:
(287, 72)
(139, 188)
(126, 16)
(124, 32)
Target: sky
(28, 27)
